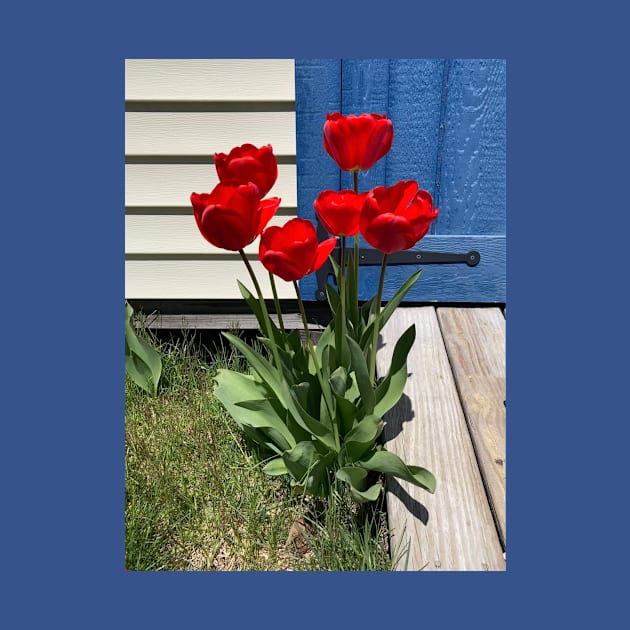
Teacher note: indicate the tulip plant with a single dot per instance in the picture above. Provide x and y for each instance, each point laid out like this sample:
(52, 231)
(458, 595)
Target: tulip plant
(318, 409)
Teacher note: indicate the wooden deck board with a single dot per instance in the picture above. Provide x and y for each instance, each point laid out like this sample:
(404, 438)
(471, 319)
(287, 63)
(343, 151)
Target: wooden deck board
(453, 529)
(475, 344)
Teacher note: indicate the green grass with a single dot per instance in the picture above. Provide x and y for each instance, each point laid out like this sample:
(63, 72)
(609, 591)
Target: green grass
(196, 498)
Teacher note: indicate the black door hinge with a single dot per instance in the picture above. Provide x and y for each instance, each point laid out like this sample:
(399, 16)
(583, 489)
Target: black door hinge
(375, 257)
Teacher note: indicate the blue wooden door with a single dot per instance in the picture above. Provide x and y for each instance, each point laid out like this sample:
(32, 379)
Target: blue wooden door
(449, 136)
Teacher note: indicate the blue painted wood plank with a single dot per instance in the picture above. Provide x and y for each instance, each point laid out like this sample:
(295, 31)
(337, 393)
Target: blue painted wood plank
(317, 92)
(364, 90)
(446, 282)
(472, 188)
(415, 100)
(449, 136)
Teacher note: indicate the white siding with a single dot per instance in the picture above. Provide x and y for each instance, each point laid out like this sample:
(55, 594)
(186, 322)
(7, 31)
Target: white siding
(175, 234)
(179, 112)
(170, 185)
(198, 133)
(214, 80)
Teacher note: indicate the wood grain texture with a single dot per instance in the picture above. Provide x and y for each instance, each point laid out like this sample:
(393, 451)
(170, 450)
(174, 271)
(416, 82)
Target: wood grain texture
(210, 79)
(473, 156)
(415, 99)
(205, 133)
(155, 279)
(453, 529)
(317, 92)
(365, 89)
(475, 344)
(170, 185)
(222, 321)
(174, 234)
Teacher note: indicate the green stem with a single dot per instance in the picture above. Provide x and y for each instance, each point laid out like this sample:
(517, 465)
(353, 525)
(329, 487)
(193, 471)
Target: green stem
(276, 302)
(377, 318)
(342, 264)
(263, 307)
(341, 331)
(355, 271)
(318, 370)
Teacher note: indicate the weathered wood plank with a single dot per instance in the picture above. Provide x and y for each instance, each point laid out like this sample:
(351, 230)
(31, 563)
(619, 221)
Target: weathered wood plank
(475, 344)
(453, 529)
(222, 321)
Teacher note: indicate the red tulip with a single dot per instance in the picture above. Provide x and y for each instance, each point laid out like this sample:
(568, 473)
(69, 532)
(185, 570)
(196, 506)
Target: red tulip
(356, 143)
(292, 251)
(396, 218)
(248, 164)
(339, 211)
(232, 216)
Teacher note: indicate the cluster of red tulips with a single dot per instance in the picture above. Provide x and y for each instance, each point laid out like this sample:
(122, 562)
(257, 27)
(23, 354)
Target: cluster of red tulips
(318, 410)
(236, 212)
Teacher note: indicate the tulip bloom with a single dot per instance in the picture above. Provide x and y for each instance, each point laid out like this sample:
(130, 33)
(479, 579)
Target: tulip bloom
(356, 143)
(339, 211)
(232, 216)
(248, 164)
(292, 251)
(396, 218)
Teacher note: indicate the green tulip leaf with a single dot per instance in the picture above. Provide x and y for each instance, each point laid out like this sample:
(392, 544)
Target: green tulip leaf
(346, 413)
(308, 466)
(391, 388)
(143, 363)
(233, 387)
(304, 419)
(261, 418)
(327, 338)
(294, 343)
(267, 438)
(336, 268)
(333, 298)
(356, 478)
(339, 381)
(360, 368)
(352, 302)
(276, 467)
(366, 310)
(362, 437)
(324, 414)
(266, 371)
(265, 413)
(254, 305)
(398, 297)
(389, 463)
(367, 337)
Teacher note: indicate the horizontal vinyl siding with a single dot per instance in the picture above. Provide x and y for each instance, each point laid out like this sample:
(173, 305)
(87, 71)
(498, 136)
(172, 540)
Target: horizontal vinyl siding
(175, 234)
(170, 185)
(191, 279)
(198, 133)
(213, 80)
(178, 114)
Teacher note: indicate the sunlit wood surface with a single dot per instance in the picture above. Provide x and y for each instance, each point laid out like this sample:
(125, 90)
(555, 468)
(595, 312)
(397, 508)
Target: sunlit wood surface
(450, 420)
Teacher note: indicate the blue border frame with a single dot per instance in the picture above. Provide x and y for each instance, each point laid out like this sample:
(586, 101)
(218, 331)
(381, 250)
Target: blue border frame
(63, 283)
